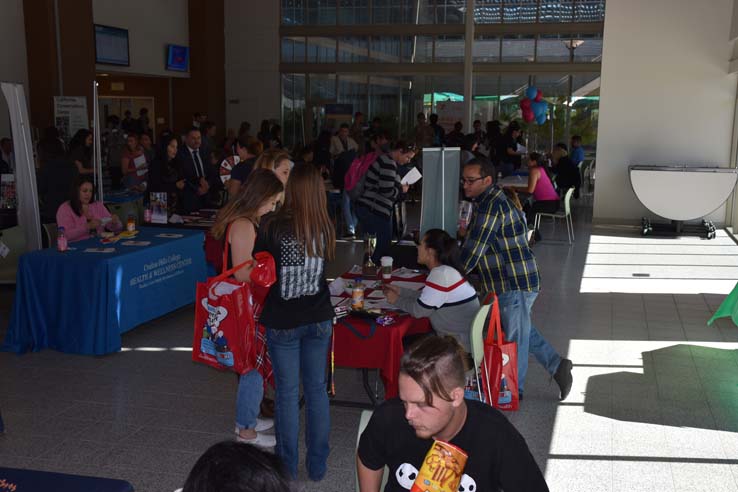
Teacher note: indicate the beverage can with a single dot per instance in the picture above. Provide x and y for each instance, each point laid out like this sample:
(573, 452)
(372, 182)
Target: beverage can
(131, 225)
(357, 297)
(147, 215)
(442, 469)
(465, 213)
(61, 241)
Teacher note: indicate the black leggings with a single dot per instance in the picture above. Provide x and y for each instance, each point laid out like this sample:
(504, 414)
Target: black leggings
(540, 207)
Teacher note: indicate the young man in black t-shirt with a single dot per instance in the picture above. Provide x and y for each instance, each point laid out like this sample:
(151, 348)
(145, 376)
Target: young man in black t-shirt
(432, 407)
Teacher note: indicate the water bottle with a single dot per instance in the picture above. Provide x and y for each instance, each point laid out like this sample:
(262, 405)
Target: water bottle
(61, 241)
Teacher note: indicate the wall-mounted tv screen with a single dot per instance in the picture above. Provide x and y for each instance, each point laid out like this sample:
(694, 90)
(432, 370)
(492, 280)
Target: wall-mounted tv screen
(111, 45)
(178, 58)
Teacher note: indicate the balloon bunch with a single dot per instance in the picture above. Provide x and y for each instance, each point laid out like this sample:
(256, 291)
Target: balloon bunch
(533, 106)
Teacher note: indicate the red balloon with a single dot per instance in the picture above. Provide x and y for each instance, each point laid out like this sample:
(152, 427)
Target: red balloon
(525, 103)
(539, 96)
(528, 115)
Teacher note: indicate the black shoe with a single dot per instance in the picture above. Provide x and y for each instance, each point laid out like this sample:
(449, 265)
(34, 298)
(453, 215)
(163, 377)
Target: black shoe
(520, 396)
(563, 378)
(537, 235)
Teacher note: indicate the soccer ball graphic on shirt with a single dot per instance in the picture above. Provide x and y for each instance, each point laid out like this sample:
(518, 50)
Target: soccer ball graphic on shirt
(407, 473)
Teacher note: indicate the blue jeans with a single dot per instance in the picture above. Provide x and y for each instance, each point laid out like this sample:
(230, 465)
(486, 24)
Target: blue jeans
(380, 225)
(301, 354)
(515, 308)
(348, 213)
(248, 400)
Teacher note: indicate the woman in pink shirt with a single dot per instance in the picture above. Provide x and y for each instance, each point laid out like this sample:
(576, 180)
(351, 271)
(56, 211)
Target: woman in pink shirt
(546, 200)
(81, 214)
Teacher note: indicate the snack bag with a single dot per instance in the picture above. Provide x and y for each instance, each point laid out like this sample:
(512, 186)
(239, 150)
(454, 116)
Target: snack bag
(442, 469)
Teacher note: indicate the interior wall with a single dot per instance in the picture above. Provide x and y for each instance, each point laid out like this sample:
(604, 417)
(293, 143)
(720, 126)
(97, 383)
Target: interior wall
(13, 67)
(151, 26)
(204, 91)
(666, 95)
(252, 62)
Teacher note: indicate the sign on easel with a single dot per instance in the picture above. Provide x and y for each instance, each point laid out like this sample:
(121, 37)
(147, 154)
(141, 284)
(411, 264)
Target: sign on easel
(440, 205)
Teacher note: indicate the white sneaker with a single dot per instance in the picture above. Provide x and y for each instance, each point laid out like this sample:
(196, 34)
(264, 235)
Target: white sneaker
(261, 425)
(261, 441)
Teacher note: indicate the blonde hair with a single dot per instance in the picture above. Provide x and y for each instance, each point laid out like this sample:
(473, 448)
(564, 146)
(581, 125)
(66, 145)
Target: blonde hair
(270, 158)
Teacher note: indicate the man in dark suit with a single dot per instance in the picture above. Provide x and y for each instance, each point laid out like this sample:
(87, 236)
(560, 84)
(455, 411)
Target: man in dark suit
(199, 175)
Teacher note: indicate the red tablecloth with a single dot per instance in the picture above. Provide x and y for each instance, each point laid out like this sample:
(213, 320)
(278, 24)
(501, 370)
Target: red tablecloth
(382, 350)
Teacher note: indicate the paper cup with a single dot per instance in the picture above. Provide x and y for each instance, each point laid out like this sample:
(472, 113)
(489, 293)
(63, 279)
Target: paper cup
(386, 262)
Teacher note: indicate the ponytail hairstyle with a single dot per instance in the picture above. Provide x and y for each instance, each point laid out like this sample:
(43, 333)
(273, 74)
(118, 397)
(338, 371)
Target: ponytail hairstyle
(447, 251)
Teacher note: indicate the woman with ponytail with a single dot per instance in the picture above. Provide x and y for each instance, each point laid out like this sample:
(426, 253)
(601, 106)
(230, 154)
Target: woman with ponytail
(448, 299)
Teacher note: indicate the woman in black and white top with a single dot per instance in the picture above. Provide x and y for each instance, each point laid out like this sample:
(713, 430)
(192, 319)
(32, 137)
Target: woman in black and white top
(447, 299)
(382, 187)
(298, 317)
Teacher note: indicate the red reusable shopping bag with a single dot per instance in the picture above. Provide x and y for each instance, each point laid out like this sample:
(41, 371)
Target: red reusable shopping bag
(500, 365)
(226, 333)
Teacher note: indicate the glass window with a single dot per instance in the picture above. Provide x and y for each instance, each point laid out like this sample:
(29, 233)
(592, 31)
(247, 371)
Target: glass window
(323, 86)
(450, 11)
(512, 89)
(352, 90)
(516, 11)
(321, 50)
(353, 50)
(485, 100)
(389, 12)
(587, 47)
(293, 108)
(417, 49)
(293, 12)
(353, 12)
(385, 101)
(589, 11)
(585, 108)
(321, 12)
(488, 11)
(449, 49)
(385, 49)
(293, 50)
(556, 11)
(518, 48)
(553, 48)
(486, 49)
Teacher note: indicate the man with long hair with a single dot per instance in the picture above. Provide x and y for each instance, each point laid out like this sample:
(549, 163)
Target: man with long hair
(432, 407)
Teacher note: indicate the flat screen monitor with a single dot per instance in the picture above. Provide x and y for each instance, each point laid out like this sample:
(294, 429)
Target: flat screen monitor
(111, 45)
(178, 58)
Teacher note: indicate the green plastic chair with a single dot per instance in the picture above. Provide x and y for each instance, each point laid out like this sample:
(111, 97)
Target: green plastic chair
(566, 216)
(477, 334)
(363, 422)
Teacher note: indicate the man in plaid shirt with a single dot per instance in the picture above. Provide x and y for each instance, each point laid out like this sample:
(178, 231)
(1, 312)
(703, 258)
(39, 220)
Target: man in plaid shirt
(496, 246)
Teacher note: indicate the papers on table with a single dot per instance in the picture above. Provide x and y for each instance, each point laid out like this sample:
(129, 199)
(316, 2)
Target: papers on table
(169, 235)
(340, 301)
(378, 304)
(376, 294)
(355, 270)
(100, 250)
(141, 167)
(337, 287)
(412, 177)
(136, 243)
(405, 273)
(408, 285)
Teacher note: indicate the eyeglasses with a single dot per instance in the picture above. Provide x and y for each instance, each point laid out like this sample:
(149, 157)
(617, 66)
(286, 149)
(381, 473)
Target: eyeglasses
(470, 181)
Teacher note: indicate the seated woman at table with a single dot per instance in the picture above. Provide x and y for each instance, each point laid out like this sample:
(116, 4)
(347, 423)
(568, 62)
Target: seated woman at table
(545, 198)
(237, 224)
(448, 299)
(81, 214)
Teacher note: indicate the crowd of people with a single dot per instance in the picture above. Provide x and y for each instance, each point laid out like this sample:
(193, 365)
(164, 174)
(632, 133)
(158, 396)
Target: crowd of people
(273, 201)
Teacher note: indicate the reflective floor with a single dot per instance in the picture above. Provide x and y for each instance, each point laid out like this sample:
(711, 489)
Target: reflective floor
(654, 404)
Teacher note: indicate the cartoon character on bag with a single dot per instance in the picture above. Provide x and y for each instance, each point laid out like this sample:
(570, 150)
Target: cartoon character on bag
(214, 342)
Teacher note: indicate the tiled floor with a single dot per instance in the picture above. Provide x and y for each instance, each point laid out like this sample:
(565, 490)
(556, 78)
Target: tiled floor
(654, 404)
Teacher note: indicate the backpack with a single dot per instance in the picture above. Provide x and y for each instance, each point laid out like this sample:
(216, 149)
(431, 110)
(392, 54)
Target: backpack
(354, 181)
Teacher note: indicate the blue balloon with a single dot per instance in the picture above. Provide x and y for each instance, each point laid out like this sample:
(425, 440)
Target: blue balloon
(531, 93)
(539, 108)
(541, 119)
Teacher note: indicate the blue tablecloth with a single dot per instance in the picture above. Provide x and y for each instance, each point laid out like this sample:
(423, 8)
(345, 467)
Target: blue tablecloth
(31, 480)
(80, 302)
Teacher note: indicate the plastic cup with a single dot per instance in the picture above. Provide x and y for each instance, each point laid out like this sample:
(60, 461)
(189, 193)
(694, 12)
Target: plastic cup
(386, 262)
